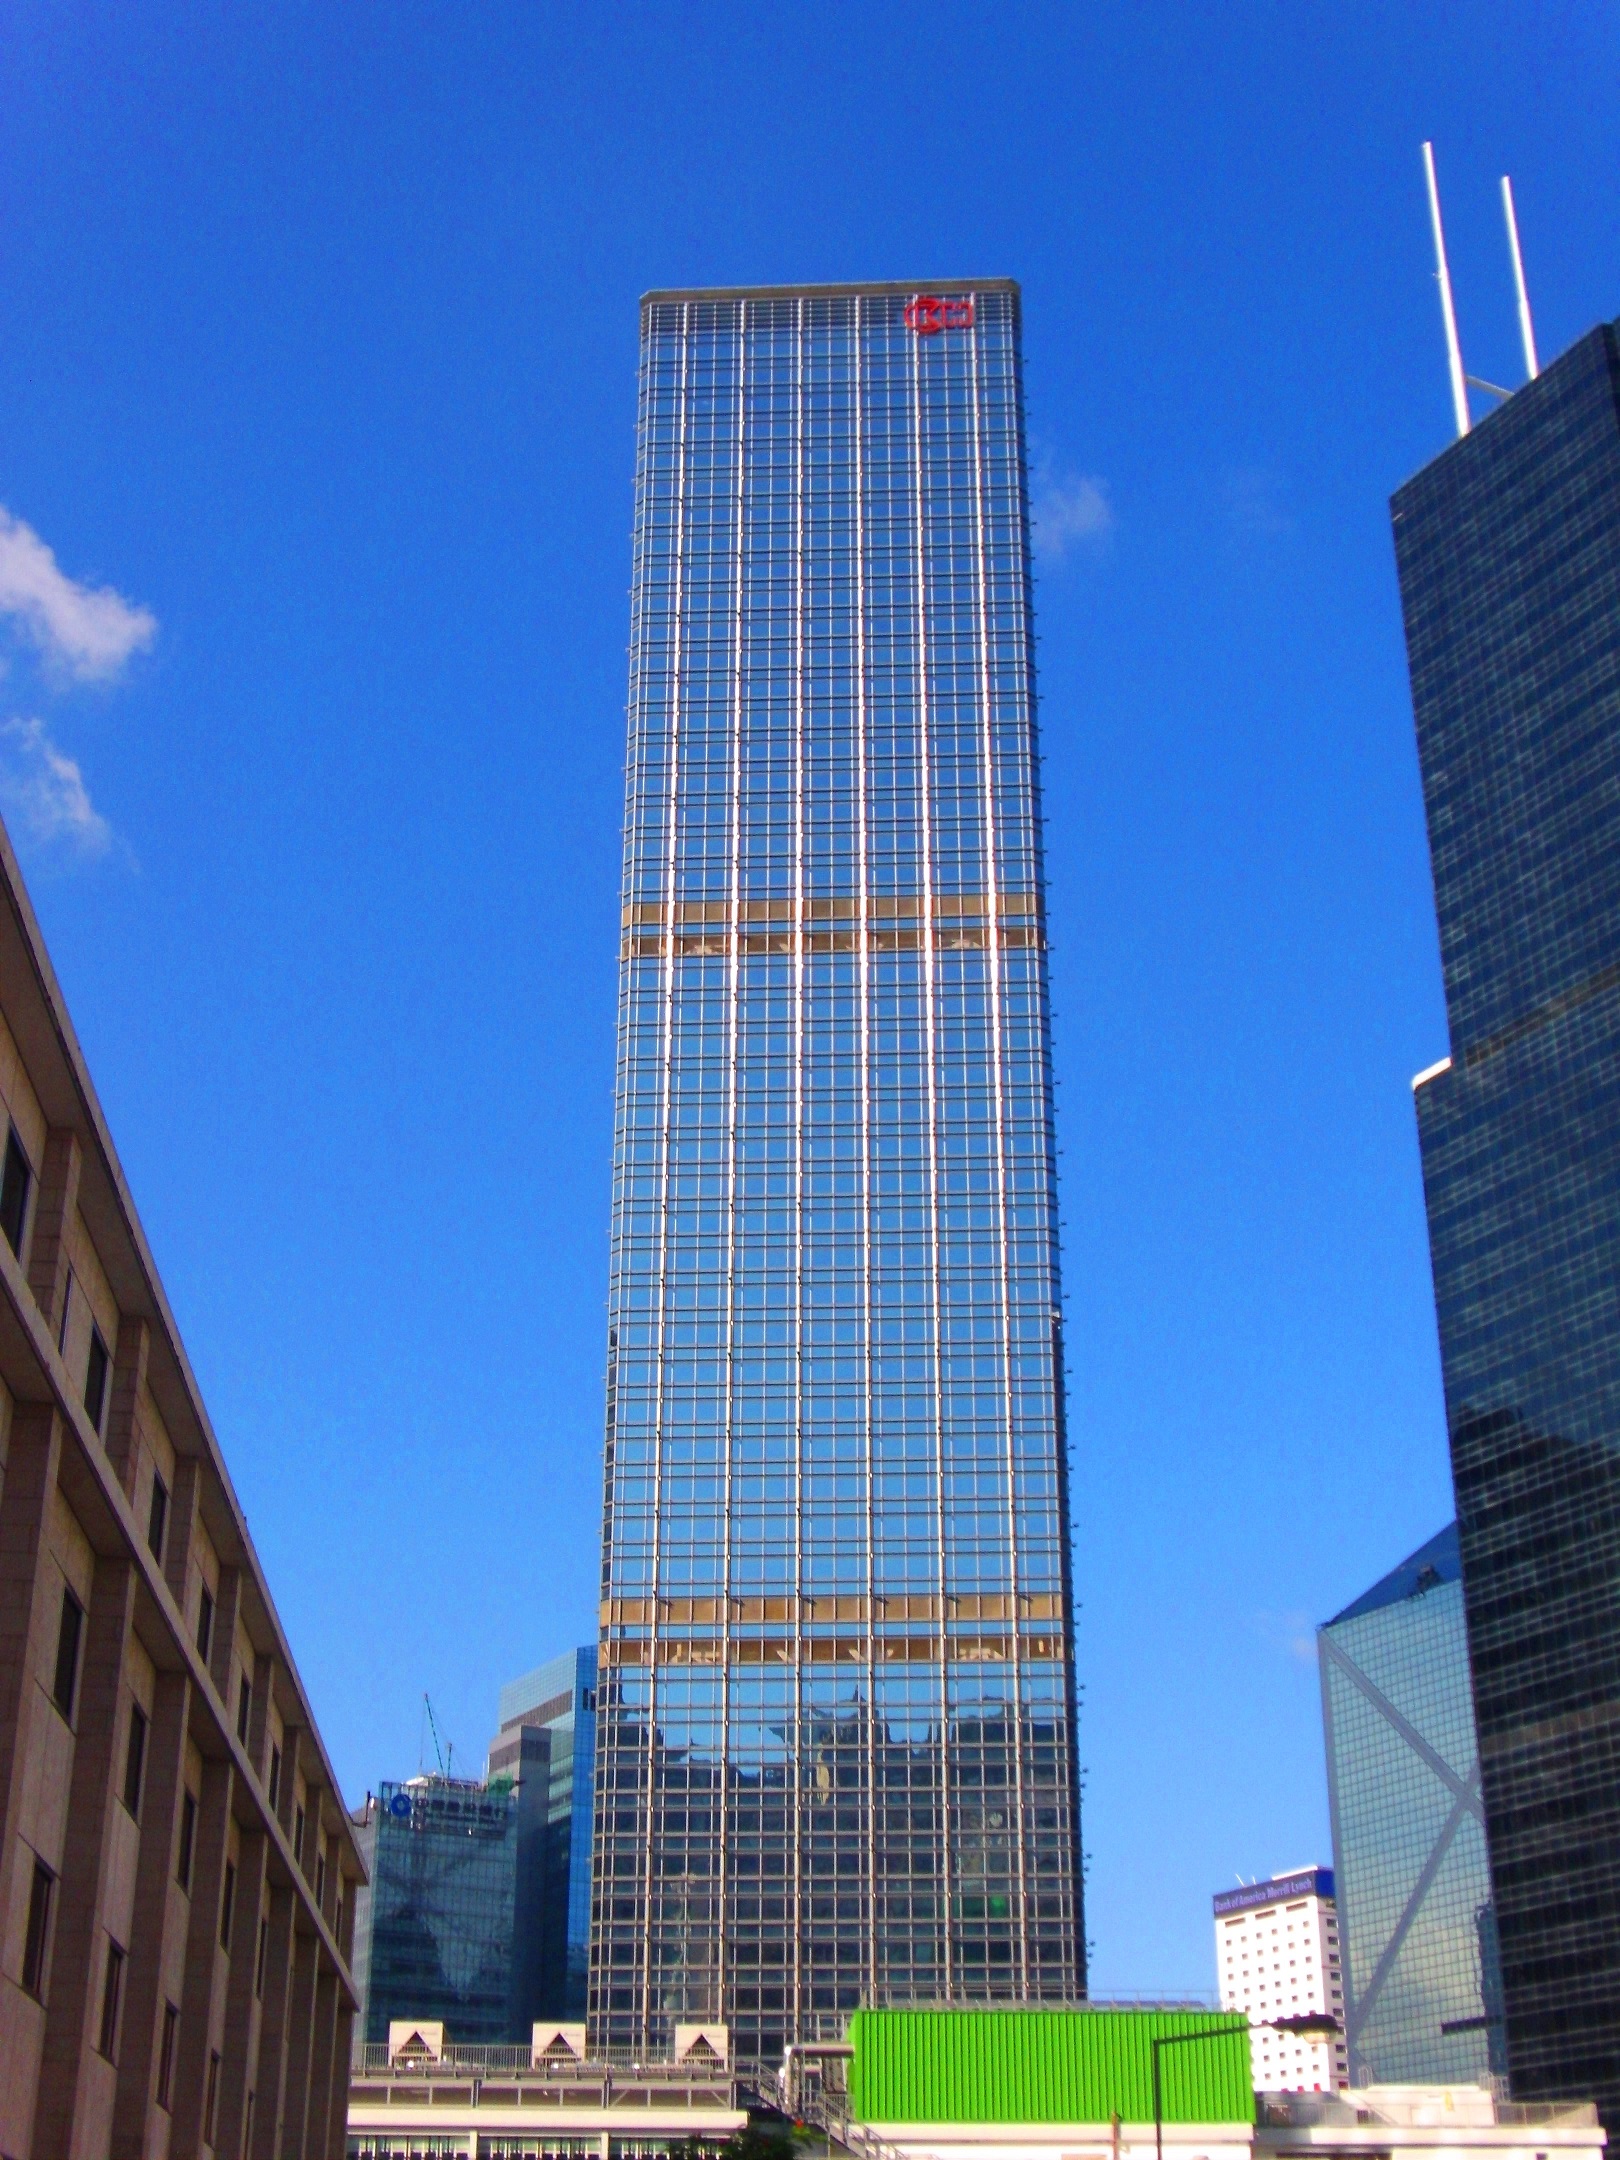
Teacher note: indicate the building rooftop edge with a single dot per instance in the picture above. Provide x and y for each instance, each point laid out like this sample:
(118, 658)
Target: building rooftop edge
(952, 2130)
(1438, 1557)
(1596, 331)
(1274, 1890)
(151, 1302)
(885, 289)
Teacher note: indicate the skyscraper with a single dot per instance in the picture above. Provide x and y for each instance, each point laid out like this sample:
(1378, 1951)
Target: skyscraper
(1509, 552)
(448, 1927)
(1417, 1931)
(836, 1725)
(556, 1704)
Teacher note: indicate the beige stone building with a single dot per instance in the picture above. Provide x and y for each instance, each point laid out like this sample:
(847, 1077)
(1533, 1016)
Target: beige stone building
(177, 1869)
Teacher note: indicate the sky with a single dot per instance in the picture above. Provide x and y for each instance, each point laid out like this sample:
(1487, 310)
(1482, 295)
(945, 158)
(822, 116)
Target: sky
(317, 402)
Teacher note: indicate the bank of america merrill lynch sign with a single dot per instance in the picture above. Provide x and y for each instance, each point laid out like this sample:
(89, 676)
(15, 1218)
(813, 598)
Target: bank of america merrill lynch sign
(928, 315)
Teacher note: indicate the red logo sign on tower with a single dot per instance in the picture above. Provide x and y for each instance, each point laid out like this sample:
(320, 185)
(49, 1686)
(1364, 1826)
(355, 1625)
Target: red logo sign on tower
(928, 315)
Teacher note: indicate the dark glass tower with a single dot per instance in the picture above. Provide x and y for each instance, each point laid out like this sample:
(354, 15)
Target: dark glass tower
(447, 1860)
(1509, 554)
(836, 1729)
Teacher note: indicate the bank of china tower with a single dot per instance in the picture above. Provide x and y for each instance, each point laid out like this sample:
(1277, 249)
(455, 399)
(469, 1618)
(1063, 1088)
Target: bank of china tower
(837, 1712)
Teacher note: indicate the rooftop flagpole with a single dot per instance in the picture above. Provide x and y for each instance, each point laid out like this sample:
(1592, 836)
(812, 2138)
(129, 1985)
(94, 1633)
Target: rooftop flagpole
(1526, 327)
(1459, 385)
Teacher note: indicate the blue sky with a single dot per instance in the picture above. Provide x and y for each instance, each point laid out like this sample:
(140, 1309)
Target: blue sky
(319, 351)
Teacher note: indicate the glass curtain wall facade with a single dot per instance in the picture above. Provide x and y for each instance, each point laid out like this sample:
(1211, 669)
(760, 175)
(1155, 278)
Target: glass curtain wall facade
(556, 1702)
(1509, 553)
(1417, 1934)
(444, 1856)
(836, 1725)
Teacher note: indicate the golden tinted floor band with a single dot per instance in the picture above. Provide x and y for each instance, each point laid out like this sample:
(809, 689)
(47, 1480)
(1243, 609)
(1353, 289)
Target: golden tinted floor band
(838, 907)
(702, 929)
(829, 1650)
(764, 1611)
(715, 945)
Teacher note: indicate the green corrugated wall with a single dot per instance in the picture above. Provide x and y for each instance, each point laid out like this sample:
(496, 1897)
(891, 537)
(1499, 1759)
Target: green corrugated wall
(1045, 2066)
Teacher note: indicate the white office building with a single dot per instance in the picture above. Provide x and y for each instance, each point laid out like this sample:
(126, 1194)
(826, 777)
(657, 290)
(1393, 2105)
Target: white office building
(1277, 1952)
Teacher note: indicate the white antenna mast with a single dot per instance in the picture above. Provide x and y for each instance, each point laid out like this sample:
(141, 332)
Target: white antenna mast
(1459, 384)
(1526, 328)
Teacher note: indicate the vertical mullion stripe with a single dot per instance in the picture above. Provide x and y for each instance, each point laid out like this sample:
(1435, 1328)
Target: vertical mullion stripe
(930, 1053)
(722, 1813)
(992, 884)
(863, 962)
(795, 1937)
(666, 1117)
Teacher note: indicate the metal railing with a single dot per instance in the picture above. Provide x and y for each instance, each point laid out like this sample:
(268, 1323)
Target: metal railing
(1303, 2111)
(830, 2024)
(1547, 2114)
(372, 2060)
(829, 2111)
(1185, 1999)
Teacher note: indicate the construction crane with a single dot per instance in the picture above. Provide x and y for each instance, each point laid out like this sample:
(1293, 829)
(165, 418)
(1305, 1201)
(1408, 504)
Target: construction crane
(446, 1754)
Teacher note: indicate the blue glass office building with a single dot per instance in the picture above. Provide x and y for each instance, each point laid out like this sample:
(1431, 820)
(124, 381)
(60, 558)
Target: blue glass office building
(548, 1741)
(1509, 553)
(836, 1728)
(436, 1930)
(1417, 1933)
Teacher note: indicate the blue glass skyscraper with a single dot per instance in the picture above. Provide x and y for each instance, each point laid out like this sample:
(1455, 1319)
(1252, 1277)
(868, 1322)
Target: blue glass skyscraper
(1509, 553)
(436, 1922)
(556, 1704)
(1417, 1932)
(836, 1726)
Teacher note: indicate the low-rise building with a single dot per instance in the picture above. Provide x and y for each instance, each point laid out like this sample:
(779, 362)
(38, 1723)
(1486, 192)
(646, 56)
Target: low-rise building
(1093, 2083)
(1103, 2083)
(419, 2093)
(1423, 2122)
(177, 1869)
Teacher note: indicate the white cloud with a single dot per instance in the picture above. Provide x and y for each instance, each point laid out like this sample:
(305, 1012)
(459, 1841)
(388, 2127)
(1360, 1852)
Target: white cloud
(44, 792)
(1064, 510)
(88, 630)
(1257, 502)
(1291, 1632)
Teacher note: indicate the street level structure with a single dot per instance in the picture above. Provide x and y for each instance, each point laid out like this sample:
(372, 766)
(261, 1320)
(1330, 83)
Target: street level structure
(421, 2093)
(177, 1870)
(836, 1712)
(1077, 2085)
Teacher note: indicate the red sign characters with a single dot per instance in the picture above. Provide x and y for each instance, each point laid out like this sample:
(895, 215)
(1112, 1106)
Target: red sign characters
(928, 315)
